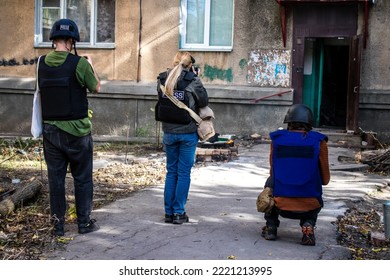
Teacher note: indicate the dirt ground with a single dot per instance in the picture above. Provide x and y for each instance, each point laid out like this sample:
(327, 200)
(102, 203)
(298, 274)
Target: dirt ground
(25, 232)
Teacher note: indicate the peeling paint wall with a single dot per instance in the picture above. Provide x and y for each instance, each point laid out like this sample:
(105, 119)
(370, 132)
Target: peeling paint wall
(269, 68)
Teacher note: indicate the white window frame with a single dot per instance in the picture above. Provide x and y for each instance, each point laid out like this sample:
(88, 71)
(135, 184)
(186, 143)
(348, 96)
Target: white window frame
(184, 46)
(91, 44)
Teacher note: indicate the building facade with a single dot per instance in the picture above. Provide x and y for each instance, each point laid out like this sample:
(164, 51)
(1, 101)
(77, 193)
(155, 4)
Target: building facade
(256, 59)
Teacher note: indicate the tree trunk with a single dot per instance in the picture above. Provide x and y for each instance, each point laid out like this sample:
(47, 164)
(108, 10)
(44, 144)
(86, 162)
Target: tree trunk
(22, 194)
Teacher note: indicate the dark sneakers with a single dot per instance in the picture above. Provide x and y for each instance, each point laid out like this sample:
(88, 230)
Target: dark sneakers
(89, 227)
(180, 218)
(168, 218)
(308, 237)
(269, 233)
(58, 230)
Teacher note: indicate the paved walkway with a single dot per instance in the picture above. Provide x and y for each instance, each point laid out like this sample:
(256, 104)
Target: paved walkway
(224, 222)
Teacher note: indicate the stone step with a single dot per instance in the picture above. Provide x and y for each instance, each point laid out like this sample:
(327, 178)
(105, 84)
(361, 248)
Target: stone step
(347, 139)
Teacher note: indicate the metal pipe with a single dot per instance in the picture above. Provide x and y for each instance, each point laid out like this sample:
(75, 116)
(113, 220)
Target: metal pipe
(268, 96)
(139, 43)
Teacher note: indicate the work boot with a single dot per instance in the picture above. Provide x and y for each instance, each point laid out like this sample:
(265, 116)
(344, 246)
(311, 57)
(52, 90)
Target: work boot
(269, 233)
(88, 227)
(308, 237)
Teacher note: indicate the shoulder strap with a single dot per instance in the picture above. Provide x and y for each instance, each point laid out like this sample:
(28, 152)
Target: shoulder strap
(39, 59)
(181, 105)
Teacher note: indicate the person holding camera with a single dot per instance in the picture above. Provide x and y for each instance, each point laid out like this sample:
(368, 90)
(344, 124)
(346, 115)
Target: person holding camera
(180, 137)
(63, 80)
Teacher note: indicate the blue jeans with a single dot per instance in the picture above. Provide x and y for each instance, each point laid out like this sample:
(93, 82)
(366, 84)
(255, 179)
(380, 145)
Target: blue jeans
(180, 152)
(60, 149)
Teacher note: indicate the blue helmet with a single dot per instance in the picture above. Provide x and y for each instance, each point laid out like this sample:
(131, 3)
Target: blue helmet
(65, 28)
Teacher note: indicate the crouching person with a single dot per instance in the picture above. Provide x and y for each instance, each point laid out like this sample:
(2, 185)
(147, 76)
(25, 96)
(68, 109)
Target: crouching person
(299, 167)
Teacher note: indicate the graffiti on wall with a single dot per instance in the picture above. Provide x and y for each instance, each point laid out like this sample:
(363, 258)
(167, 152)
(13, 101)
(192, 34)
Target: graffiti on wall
(269, 68)
(213, 73)
(14, 62)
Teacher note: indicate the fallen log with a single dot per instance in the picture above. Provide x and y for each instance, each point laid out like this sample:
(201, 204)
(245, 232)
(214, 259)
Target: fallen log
(23, 193)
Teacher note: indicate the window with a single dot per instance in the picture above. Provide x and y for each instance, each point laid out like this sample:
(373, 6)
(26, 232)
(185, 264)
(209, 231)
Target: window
(94, 18)
(206, 25)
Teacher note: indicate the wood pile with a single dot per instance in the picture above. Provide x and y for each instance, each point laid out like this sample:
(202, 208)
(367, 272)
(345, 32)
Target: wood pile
(216, 154)
(379, 160)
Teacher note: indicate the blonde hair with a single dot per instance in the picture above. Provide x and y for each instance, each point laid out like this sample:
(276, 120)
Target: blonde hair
(180, 61)
(177, 58)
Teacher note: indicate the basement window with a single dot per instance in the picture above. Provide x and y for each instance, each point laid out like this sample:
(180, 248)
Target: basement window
(94, 18)
(206, 25)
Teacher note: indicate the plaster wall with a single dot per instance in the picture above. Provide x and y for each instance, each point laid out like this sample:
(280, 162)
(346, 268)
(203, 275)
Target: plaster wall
(142, 50)
(256, 26)
(125, 107)
(376, 57)
(17, 20)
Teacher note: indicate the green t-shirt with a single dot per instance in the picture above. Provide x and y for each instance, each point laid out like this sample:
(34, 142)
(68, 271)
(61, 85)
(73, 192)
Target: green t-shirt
(85, 77)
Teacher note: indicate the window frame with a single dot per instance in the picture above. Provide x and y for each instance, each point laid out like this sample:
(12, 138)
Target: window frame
(93, 36)
(206, 45)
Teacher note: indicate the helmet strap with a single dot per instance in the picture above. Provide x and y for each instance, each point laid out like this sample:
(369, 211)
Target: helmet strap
(74, 46)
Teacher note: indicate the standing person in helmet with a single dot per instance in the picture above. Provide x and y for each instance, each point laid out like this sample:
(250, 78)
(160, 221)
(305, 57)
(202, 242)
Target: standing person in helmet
(63, 80)
(299, 167)
(180, 131)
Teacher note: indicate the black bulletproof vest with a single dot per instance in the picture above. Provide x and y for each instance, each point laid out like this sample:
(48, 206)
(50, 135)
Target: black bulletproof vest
(62, 97)
(165, 110)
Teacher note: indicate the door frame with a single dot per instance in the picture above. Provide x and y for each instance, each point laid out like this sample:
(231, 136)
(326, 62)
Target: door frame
(312, 85)
(302, 29)
(354, 69)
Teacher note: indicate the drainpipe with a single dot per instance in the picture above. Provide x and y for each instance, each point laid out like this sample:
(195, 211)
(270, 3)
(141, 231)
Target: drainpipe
(139, 43)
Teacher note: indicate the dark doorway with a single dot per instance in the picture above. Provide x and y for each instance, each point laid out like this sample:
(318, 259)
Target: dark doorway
(333, 112)
(325, 85)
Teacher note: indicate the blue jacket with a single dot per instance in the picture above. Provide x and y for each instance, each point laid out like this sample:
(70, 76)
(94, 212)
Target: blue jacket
(295, 163)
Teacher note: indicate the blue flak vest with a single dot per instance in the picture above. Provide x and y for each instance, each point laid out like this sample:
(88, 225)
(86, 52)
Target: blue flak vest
(295, 163)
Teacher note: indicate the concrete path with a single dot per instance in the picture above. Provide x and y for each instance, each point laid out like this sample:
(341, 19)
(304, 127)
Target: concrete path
(224, 222)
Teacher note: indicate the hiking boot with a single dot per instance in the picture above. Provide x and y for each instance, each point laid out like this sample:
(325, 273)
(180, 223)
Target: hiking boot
(308, 237)
(168, 218)
(89, 227)
(269, 233)
(180, 218)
